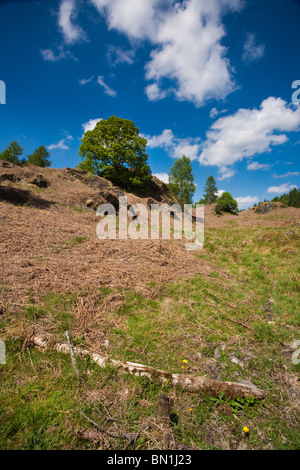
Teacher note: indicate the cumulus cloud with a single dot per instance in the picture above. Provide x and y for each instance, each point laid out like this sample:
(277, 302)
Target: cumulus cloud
(107, 90)
(162, 177)
(244, 202)
(225, 173)
(154, 93)
(90, 125)
(135, 18)
(248, 132)
(258, 166)
(252, 51)
(283, 188)
(186, 38)
(67, 14)
(175, 146)
(190, 53)
(62, 145)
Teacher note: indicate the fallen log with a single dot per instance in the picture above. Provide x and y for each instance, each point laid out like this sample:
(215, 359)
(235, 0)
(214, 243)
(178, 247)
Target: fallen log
(190, 383)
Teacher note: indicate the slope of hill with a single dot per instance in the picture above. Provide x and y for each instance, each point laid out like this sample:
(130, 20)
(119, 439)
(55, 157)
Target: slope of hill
(229, 312)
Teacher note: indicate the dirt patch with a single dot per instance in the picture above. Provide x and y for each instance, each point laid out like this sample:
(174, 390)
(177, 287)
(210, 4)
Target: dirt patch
(58, 250)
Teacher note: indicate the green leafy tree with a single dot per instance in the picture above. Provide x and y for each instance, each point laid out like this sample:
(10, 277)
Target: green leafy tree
(291, 199)
(40, 157)
(181, 180)
(115, 150)
(294, 197)
(12, 153)
(210, 191)
(5, 155)
(201, 201)
(226, 203)
(284, 198)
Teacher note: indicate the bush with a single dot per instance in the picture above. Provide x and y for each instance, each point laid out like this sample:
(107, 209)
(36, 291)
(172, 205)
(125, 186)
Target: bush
(226, 203)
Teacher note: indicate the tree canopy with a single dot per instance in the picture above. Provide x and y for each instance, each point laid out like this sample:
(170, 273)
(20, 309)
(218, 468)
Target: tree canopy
(12, 153)
(210, 191)
(291, 199)
(181, 180)
(226, 203)
(115, 150)
(40, 157)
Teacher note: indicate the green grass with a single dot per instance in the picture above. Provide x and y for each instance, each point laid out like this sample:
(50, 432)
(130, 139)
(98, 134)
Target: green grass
(74, 241)
(248, 308)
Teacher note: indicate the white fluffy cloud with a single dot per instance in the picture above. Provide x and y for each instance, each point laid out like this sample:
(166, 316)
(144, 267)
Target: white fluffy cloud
(135, 18)
(67, 14)
(174, 146)
(252, 51)
(90, 125)
(246, 201)
(62, 145)
(248, 132)
(154, 93)
(225, 173)
(283, 188)
(186, 38)
(258, 166)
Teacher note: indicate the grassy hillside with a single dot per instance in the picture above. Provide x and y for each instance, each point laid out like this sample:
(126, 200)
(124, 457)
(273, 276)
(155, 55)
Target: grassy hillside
(230, 312)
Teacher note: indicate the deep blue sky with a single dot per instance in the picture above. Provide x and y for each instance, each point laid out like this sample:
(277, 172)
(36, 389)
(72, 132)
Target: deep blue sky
(175, 68)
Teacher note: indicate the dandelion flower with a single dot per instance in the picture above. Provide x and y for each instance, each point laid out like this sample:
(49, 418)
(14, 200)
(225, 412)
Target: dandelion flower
(245, 429)
(185, 361)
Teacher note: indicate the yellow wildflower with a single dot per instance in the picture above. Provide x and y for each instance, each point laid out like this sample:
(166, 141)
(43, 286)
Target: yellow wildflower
(245, 429)
(185, 361)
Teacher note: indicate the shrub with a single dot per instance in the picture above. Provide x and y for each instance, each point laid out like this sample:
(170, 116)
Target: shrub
(226, 203)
